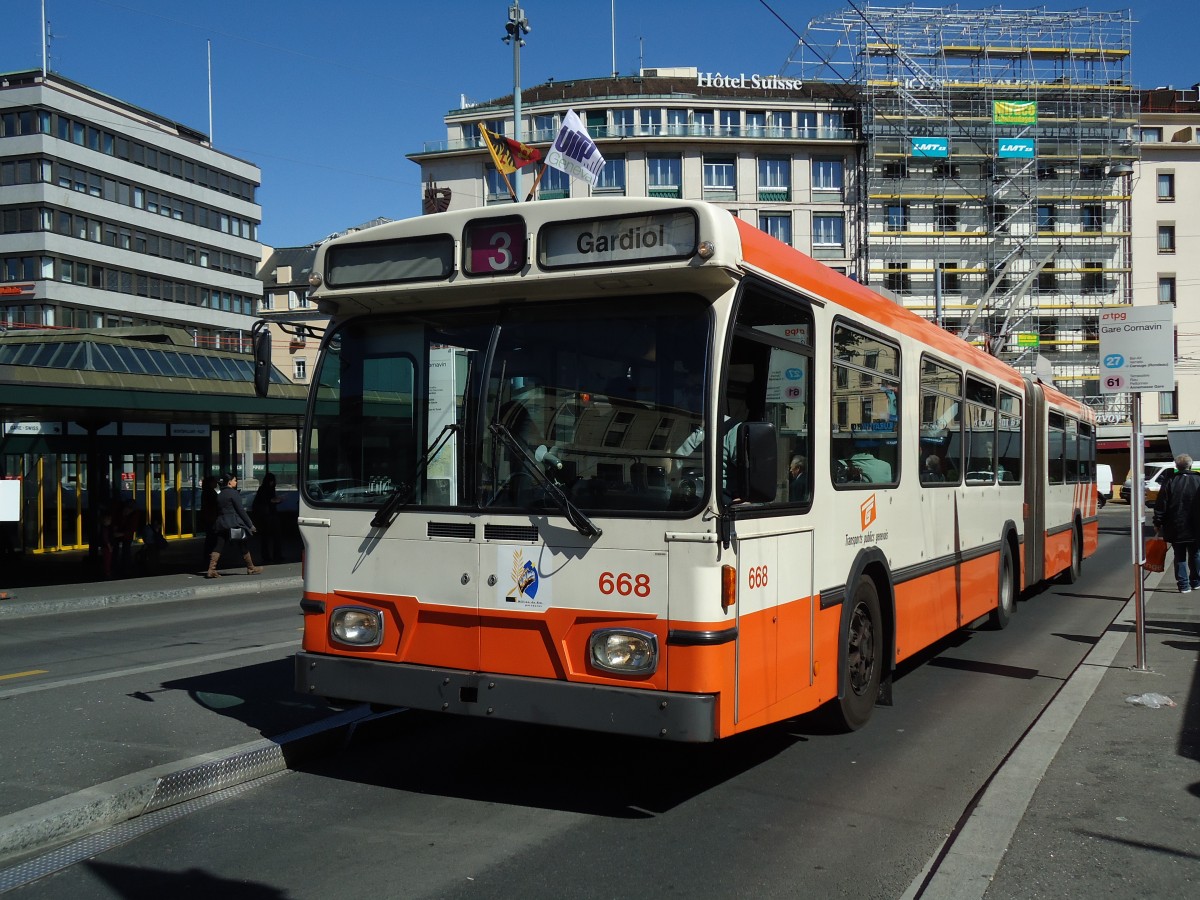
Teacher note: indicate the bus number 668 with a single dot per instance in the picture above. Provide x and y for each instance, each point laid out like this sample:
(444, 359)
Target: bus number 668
(625, 584)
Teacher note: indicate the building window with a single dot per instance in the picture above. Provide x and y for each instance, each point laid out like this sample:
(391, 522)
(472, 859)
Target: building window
(677, 122)
(1168, 404)
(731, 120)
(612, 177)
(999, 217)
(897, 280)
(829, 231)
(1166, 289)
(1047, 279)
(774, 179)
(1045, 217)
(756, 123)
(1150, 135)
(720, 178)
(895, 169)
(835, 125)
(299, 369)
(779, 124)
(897, 217)
(650, 121)
(703, 123)
(1093, 217)
(497, 187)
(1166, 238)
(949, 276)
(1166, 186)
(828, 174)
(777, 225)
(664, 176)
(1093, 277)
(622, 122)
(947, 217)
(545, 128)
(555, 184)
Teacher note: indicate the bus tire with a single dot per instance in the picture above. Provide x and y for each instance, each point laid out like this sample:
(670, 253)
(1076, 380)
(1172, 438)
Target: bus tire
(1006, 590)
(861, 656)
(1072, 573)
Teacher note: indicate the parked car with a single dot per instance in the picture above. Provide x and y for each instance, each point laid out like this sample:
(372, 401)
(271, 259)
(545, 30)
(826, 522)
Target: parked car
(1103, 484)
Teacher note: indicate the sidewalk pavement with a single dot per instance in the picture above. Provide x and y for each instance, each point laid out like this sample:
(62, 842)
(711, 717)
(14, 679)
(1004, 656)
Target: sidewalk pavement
(35, 584)
(1101, 797)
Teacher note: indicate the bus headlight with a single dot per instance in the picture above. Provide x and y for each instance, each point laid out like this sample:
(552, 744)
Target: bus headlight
(357, 625)
(625, 651)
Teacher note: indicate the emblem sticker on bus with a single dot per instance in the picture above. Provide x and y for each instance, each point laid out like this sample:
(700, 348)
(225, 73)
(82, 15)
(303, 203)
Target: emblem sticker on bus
(522, 586)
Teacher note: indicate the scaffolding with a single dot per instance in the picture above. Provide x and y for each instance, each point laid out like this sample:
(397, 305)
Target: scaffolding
(996, 171)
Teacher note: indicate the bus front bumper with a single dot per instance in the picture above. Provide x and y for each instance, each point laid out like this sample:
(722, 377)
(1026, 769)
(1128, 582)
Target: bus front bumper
(638, 713)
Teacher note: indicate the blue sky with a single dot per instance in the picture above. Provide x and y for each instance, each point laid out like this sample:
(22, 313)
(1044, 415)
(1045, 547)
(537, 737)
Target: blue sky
(327, 105)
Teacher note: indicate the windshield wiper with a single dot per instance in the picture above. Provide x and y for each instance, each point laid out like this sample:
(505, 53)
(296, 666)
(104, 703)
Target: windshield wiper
(576, 516)
(403, 494)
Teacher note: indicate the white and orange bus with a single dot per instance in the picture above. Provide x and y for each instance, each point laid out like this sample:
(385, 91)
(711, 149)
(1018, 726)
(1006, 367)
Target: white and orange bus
(634, 466)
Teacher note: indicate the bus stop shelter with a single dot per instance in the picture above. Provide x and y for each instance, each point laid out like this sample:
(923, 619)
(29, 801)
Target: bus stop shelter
(93, 418)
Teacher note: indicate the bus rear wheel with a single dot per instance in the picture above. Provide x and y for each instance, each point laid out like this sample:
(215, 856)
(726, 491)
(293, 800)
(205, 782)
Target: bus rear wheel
(1073, 572)
(862, 656)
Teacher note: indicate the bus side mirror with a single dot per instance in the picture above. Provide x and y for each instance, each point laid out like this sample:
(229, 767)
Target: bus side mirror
(260, 337)
(756, 465)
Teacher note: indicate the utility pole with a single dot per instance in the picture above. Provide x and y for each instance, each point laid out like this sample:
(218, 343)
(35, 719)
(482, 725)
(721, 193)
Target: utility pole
(516, 27)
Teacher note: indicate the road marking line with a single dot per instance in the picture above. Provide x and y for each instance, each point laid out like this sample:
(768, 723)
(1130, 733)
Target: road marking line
(138, 670)
(23, 674)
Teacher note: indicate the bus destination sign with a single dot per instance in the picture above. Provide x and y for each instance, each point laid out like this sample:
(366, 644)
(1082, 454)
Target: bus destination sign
(618, 240)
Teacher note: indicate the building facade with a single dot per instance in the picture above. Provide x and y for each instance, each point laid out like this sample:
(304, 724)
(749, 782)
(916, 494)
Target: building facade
(112, 216)
(772, 151)
(1166, 239)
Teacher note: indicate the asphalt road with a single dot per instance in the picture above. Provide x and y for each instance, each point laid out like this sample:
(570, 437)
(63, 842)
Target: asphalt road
(441, 807)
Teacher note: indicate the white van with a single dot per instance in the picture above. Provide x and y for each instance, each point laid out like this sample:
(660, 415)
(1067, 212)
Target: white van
(1156, 474)
(1103, 484)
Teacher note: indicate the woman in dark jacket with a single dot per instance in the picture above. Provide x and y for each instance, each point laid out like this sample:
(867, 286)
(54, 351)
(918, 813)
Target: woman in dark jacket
(265, 511)
(231, 515)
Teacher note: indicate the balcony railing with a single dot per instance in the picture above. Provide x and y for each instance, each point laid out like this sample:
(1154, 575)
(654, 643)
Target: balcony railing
(704, 132)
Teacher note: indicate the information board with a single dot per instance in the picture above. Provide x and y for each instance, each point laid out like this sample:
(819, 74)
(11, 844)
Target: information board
(1137, 349)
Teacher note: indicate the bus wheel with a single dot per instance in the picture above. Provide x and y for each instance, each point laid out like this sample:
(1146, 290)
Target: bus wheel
(1006, 589)
(862, 656)
(1072, 573)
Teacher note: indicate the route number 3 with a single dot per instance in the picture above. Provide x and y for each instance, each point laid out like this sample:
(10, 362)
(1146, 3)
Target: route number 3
(625, 584)
(758, 577)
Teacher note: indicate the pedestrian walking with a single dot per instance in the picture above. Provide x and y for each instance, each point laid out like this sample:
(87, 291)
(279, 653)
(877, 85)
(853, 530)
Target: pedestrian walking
(1176, 515)
(233, 526)
(265, 512)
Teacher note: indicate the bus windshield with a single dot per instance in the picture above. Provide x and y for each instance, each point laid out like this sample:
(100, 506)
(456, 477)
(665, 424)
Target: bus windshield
(603, 396)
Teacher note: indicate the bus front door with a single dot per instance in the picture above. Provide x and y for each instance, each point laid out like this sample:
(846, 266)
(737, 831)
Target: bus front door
(775, 617)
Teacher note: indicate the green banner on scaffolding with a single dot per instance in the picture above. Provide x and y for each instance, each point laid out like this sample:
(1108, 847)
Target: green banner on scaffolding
(1014, 112)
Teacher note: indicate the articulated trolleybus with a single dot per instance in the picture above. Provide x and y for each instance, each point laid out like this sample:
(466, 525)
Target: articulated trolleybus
(634, 466)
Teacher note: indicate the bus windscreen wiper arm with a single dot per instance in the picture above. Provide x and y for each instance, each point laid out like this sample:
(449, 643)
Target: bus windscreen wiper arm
(401, 496)
(576, 516)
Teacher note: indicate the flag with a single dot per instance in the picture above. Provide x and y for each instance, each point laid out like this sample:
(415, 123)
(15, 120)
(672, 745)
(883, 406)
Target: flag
(574, 152)
(507, 154)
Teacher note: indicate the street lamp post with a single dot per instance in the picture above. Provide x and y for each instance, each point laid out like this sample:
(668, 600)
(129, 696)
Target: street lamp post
(516, 27)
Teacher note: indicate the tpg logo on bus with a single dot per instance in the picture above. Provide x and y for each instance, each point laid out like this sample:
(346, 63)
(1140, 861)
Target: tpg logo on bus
(866, 512)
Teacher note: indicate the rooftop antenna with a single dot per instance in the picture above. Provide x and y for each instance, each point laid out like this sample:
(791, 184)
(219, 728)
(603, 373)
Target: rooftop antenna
(210, 122)
(45, 40)
(614, 37)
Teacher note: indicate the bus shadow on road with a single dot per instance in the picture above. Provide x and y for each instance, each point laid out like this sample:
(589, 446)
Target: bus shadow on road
(543, 767)
(260, 696)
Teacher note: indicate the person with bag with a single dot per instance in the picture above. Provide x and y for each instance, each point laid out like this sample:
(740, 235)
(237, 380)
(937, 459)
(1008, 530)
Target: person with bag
(1175, 518)
(233, 526)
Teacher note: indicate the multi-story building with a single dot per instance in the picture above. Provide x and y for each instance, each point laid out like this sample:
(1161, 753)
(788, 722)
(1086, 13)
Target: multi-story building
(114, 216)
(995, 182)
(773, 151)
(1166, 238)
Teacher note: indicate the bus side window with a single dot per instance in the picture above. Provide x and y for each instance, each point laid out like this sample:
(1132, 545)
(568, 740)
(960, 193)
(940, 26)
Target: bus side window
(768, 378)
(865, 432)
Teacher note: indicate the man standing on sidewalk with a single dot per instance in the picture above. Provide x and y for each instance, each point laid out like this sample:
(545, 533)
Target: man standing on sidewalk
(1175, 518)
